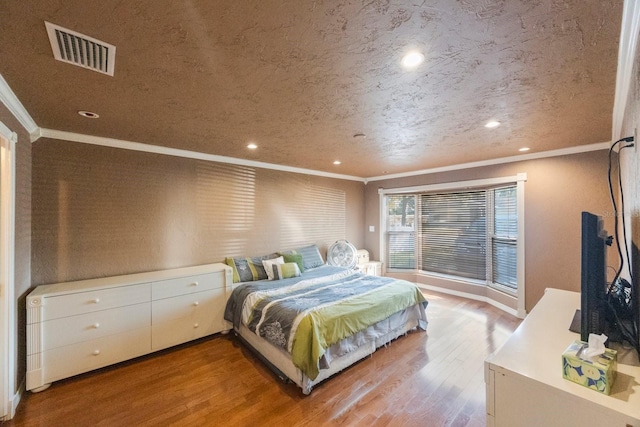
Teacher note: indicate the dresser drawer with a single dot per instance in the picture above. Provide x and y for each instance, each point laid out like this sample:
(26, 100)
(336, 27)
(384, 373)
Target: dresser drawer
(184, 318)
(89, 326)
(55, 307)
(187, 285)
(179, 331)
(191, 305)
(75, 359)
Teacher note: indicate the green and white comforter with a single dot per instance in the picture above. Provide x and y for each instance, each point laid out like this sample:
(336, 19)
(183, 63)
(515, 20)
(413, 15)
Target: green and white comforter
(308, 314)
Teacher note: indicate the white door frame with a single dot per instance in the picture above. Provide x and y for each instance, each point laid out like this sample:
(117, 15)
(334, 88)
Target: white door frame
(8, 140)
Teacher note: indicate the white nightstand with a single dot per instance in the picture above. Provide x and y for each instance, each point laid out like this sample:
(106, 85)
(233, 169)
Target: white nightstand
(372, 268)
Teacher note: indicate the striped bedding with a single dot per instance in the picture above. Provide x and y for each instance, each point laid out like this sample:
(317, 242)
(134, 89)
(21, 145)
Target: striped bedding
(306, 315)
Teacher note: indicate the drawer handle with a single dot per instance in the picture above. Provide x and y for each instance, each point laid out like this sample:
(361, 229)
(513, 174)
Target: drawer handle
(195, 325)
(196, 303)
(96, 300)
(96, 325)
(194, 283)
(96, 352)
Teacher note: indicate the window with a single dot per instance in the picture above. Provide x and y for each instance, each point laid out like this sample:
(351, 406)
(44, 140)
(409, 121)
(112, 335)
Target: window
(469, 234)
(504, 238)
(454, 234)
(401, 213)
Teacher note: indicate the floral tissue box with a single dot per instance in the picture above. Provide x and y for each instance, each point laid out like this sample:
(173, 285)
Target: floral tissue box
(598, 375)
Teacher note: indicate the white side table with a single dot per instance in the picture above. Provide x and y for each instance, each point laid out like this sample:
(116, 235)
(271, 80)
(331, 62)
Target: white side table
(372, 268)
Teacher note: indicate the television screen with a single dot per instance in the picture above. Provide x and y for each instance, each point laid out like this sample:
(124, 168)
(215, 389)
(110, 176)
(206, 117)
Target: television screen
(635, 296)
(613, 310)
(593, 307)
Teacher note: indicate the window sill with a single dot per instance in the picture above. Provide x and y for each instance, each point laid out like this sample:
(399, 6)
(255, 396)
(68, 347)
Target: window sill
(472, 289)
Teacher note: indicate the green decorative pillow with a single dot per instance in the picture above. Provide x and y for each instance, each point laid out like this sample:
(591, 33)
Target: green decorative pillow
(297, 258)
(285, 271)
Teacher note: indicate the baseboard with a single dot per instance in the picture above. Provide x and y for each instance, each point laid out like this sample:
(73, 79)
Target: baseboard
(490, 301)
(15, 401)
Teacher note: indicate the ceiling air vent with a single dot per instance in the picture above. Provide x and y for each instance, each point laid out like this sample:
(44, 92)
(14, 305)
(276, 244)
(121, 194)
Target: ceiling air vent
(83, 51)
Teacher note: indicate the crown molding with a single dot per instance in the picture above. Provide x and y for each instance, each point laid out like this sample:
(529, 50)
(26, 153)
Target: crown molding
(446, 186)
(148, 148)
(511, 159)
(626, 57)
(13, 104)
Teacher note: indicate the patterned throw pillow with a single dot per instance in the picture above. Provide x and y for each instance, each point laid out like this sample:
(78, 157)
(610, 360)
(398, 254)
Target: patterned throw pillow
(285, 271)
(248, 269)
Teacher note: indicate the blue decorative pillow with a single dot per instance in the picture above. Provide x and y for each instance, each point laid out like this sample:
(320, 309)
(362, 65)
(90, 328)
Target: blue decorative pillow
(285, 271)
(248, 269)
(311, 257)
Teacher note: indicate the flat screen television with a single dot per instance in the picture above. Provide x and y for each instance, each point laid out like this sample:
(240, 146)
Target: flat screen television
(593, 307)
(605, 309)
(635, 296)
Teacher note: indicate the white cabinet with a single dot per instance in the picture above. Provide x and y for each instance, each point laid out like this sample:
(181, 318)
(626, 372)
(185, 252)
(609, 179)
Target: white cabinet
(75, 327)
(372, 268)
(524, 378)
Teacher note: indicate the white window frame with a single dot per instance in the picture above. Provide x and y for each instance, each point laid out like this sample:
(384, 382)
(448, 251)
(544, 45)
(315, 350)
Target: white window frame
(8, 401)
(416, 249)
(518, 179)
(491, 237)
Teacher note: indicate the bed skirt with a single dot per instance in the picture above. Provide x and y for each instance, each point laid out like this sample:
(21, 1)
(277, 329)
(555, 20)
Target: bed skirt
(340, 355)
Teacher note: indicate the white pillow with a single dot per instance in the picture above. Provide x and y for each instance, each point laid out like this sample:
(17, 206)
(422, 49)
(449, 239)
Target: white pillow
(268, 265)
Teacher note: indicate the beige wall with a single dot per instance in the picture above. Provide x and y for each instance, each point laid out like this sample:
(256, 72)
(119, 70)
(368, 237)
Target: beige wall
(630, 162)
(100, 211)
(557, 190)
(22, 236)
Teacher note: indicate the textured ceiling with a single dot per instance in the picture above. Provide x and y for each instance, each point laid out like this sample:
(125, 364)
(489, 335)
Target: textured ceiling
(301, 78)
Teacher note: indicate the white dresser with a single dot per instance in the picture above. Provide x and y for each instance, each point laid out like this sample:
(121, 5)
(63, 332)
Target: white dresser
(524, 378)
(75, 327)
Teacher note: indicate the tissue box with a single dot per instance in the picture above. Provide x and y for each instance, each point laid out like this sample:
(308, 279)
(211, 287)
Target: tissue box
(598, 375)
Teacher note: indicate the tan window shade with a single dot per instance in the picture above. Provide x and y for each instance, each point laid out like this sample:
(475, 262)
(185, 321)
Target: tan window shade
(454, 234)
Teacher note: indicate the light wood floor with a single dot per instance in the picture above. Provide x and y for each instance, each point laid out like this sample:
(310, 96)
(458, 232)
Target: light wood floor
(421, 379)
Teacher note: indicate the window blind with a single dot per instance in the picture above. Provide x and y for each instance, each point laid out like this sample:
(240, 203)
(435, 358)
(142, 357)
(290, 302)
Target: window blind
(505, 233)
(470, 233)
(454, 233)
(401, 212)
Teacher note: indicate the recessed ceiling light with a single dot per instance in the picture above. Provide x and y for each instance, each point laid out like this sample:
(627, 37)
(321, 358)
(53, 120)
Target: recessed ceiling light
(88, 114)
(337, 162)
(252, 146)
(523, 149)
(492, 124)
(412, 59)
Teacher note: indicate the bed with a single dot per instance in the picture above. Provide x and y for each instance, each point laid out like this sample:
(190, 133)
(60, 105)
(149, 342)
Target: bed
(311, 324)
